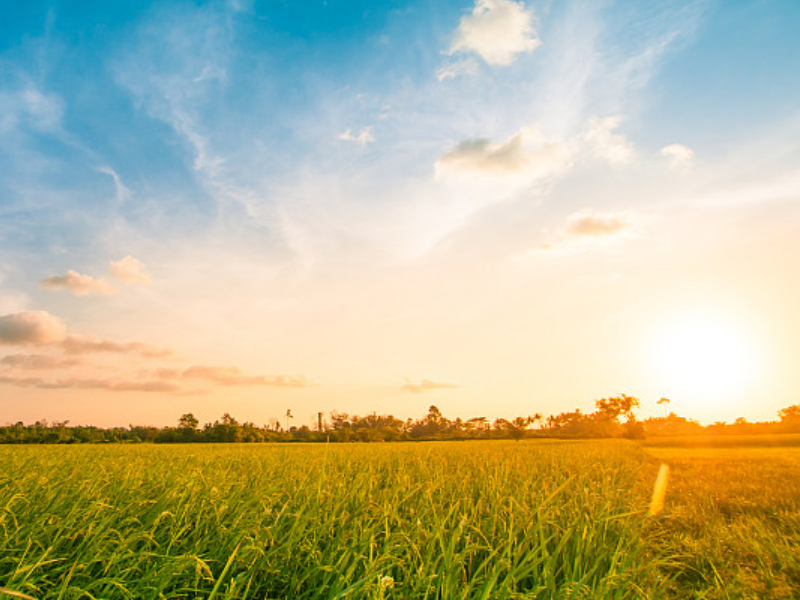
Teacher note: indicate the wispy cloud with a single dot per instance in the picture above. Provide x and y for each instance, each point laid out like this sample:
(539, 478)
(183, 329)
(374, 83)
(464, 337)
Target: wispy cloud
(426, 385)
(78, 361)
(78, 284)
(123, 193)
(82, 383)
(30, 107)
(193, 380)
(677, 156)
(86, 344)
(497, 31)
(177, 91)
(457, 68)
(602, 141)
(39, 362)
(362, 138)
(12, 302)
(233, 376)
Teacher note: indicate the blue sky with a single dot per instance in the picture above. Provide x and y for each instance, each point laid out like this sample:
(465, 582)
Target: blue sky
(341, 190)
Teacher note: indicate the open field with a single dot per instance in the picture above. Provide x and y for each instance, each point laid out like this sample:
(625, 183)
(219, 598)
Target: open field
(537, 519)
(725, 441)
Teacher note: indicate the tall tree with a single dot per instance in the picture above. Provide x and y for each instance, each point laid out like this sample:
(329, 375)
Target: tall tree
(188, 422)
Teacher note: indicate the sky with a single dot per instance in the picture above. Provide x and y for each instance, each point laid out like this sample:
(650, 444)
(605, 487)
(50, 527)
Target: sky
(498, 208)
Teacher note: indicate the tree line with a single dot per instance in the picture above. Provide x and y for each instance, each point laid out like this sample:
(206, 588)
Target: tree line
(613, 417)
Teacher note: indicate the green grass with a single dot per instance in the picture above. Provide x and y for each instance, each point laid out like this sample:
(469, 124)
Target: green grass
(732, 522)
(486, 520)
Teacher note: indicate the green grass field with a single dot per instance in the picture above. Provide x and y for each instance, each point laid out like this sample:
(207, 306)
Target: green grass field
(533, 519)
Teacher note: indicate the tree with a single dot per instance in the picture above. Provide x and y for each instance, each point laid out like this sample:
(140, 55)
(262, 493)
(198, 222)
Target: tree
(188, 422)
(790, 418)
(226, 431)
(663, 402)
(516, 428)
(615, 406)
(289, 417)
(790, 414)
(434, 414)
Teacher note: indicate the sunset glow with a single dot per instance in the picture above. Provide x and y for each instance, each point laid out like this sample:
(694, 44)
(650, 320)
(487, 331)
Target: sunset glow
(706, 360)
(498, 207)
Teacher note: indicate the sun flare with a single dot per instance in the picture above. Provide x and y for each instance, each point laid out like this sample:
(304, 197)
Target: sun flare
(705, 358)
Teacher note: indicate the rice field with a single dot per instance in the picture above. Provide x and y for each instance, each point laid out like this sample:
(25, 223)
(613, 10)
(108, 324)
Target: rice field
(531, 519)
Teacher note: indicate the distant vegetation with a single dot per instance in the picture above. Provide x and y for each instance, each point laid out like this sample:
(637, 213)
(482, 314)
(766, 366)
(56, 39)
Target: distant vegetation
(614, 417)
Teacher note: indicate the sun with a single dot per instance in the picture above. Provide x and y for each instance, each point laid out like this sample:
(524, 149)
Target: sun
(705, 359)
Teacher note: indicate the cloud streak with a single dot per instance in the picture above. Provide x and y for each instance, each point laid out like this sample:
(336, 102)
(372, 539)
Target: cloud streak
(233, 376)
(86, 344)
(193, 380)
(76, 363)
(38, 362)
(79, 383)
(427, 385)
(78, 284)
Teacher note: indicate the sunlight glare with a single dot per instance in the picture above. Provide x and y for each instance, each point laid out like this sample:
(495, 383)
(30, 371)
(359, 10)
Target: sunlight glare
(705, 358)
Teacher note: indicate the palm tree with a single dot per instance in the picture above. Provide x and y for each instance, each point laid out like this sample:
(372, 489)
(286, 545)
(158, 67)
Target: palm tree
(664, 402)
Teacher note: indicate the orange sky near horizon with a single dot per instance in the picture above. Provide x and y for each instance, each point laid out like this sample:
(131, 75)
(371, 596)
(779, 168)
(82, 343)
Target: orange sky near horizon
(496, 207)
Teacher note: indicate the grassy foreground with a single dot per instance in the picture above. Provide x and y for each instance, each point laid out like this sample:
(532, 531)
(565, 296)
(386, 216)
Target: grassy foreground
(433, 520)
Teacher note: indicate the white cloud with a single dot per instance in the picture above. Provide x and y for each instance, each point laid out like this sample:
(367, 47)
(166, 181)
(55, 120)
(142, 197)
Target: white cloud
(606, 145)
(497, 31)
(526, 153)
(529, 154)
(129, 270)
(35, 327)
(677, 156)
(79, 285)
(362, 138)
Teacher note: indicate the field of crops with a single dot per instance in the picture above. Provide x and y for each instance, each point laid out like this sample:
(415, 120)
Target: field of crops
(527, 519)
